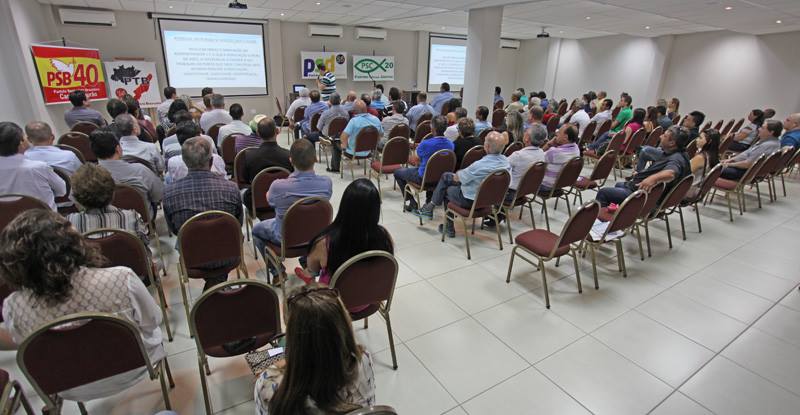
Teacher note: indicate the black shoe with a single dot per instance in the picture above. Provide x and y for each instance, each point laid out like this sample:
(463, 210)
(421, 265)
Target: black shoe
(411, 207)
(451, 231)
(489, 223)
(330, 170)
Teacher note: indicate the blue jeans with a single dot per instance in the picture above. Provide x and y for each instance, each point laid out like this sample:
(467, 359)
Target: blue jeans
(646, 154)
(263, 233)
(616, 194)
(447, 190)
(405, 175)
(733, 173)
(599, 142)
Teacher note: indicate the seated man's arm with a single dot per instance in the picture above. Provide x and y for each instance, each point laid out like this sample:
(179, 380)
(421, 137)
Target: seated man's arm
(344, 139)
(665, 175)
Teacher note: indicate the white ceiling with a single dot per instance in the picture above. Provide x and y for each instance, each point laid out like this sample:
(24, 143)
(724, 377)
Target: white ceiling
(573, 19)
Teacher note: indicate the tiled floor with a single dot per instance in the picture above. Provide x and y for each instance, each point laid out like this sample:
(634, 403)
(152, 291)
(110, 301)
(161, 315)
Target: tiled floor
(711, 326)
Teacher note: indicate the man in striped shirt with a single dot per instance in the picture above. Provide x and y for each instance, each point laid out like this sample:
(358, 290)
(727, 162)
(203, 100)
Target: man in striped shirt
(558, 151)
(326, 82)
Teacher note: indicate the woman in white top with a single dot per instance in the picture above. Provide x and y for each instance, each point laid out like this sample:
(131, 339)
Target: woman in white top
(324, 371)
(55, 272)
(746, 135)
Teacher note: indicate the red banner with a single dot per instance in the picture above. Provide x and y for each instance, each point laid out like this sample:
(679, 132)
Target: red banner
(62, 70)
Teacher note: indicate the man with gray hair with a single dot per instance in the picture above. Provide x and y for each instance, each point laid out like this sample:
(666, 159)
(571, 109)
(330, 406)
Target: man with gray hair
(462, 186)
(336, 110)
(352, 96)
(128, 129)
(42, 149)
(200, 191)
(377, 103)
(217, 115)
(515, 104)
(791, 136)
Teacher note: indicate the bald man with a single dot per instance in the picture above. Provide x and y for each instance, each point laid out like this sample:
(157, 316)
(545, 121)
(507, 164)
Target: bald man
(41, 137)
(462, 186)
(350, 101)
(791, 138)
(347, 143)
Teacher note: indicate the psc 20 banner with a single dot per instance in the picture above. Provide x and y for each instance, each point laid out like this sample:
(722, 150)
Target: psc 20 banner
(137, 78)
(373, 68)
(335, 62)
(62, 70)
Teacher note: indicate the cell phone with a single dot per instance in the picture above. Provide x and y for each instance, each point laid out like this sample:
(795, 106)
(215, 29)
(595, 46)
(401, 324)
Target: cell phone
(275, 351)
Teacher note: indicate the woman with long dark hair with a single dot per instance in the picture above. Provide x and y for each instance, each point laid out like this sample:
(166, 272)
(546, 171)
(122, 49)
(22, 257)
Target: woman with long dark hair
(355, 230)
(705, 159)
(746, 135)
(324, 370)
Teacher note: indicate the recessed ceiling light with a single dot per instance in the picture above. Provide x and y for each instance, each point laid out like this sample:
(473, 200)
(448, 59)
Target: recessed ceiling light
(560, 31)
(318, 3)
(728, 7)
(778, 22)
(443, 27)
(171, 7)
(283, 14)
(647, 27)
(588, 17)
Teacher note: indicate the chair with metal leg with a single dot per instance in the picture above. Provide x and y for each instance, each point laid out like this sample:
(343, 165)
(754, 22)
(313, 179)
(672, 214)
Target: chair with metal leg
(623, 220)
(524, 196)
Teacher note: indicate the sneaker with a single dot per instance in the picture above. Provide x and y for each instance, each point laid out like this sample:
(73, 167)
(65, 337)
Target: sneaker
(489, 222)
(411, 207)
(451, 231)
(426, 211)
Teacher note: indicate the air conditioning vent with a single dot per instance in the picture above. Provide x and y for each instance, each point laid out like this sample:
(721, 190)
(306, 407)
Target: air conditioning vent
(370, 33)
(87, 17)
(509, 44)
(319, 30)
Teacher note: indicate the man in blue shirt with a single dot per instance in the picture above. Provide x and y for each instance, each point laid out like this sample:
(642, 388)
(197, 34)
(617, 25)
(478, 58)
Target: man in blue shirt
(444, 96)
(462, 187)
(417, 111)
(348, 139)
(41, 138)
(81, 111)
(316, 106)
(791, 138)
(497, 96)
(481, 114)
(425, 150)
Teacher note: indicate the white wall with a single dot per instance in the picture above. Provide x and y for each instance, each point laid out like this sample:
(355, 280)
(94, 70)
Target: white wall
(727, 74)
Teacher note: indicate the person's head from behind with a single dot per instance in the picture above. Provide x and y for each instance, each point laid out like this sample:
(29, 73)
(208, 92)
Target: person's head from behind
(321, 68)
(438, 125)
(515, 96)
(566, 134)
(304, 92)
(397, 107)
(542, 95)
(217, 101)
(661, 101)
(607, 104)
(602, 95)
(445, 87)
(482, 113)
(756, 117)
(207, 101)
(169, 92)
(196, 153)
(105, 144)
(335, 99)
(39, 133)
(93, 186)
(236, 111)
(206, 91)
(132, 105)
(78, 98)
(769, 113)
(182, 116)
(176, 106)
(536, 114)
(322, 355)
(675, 138)
(770, 129)
(126, 125)
(494, 143)
(366, 98)
(394, 93)
(466, 127)
(302, 155)
(10, 138)
(514, 124)
(352, 96)
(661, 110)
(536, 136)
(497, 90)
(422, 97)
(377, 94)
(360, 106)
(116, 107)
(638, 115)
(460, 112)
(314, 95)
(186, 130)
(694, 120)
(266, 129)
(40, 252)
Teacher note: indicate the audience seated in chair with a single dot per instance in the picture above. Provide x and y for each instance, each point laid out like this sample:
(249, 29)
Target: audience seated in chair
(747, 134)
(317, 107)
(650, 154)
(452, 130)
(460, 187)
(114, 108)
(347, 143)
(424, 151)
(515, 105)
(138, 176)
(444, 96)
(466, 138)
(397, 118)
(704, 160)
(350, 100)
(66, 277)
(497, 96)
(514, 128)
(414, 113)
(147, 131)
(303, 182)
(200, 191)
(217, 114)
(326, 371)
(237, 126)
(631, 124)
(355, 230)
(82, 111)
(268, 154)
(664, 121)
(670, 169)
(481, 117)
(336, 110)
(128, 129)
(377, 103)
(767, 142)
(577, 116)
(604, 112)
(558, 151)
(791, 138)
(625, 114)
(170, 94)
(41, 138)
(19, 175)
(176, 166)
(170, 145)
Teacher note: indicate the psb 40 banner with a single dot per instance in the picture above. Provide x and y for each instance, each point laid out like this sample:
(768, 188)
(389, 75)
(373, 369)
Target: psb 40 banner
(137, 78)
(373, 68)
(62, 70)
(335, 62)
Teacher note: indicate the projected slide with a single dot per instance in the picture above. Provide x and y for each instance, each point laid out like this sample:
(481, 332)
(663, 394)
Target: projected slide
(228, 57)
(446, 62)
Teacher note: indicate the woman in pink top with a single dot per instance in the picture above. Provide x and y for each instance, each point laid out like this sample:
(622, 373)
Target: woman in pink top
(355, 230)
(636, 122)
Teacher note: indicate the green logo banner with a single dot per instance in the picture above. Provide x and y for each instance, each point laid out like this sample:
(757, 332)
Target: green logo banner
(373, 68)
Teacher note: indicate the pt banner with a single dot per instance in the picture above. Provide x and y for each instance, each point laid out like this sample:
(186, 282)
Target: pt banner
(137, 78)
(335, 62)
(373, 68)
(62, 70)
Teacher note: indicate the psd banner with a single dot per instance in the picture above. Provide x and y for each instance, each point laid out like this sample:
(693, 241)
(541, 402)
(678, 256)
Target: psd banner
(62, 70)
(373, 68)
(137, 78)
(335, 62)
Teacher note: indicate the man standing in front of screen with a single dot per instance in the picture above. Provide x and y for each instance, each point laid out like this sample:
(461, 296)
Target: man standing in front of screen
(326, 82)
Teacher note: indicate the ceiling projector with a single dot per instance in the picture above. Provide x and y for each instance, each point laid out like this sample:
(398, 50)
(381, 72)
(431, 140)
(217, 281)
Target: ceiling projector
(236, 5)
(543, 35)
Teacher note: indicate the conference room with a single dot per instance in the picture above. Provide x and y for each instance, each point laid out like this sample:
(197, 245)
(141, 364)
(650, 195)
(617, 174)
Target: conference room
(399, 207)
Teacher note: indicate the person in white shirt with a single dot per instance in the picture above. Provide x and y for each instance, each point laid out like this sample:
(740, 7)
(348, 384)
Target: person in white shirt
(577, 116)
(237, 126)
(303, 100)
(217, 115)
(42, 149)
(163, 108)
(452, 131)
(604, 113)
(22, 176)
(176, 166)
(128, 129)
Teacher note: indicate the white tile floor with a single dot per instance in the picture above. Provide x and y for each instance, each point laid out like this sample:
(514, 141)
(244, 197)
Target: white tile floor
(711, 326)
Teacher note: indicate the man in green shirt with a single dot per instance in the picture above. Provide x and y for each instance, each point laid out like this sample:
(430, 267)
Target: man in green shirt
(625, 114)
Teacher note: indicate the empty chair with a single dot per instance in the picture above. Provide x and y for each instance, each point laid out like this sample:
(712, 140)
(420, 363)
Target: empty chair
(545, 245)
(599, 176)
(393, 157)
(439, 163)
(126, 197)
(623, 220)
(84, 127)
(243, 312)
(525, 194)
(13, 396)
(788, 167)
(366, 141)
(400, 130)
(562, 186)
(239, 176)
(670, 205)
(588, 134)
(423, 129)
(701, 193)
(11, 205)
(335, 128)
